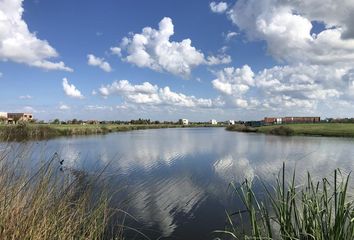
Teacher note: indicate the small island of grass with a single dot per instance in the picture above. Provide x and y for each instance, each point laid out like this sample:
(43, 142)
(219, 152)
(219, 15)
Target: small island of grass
(306, 129)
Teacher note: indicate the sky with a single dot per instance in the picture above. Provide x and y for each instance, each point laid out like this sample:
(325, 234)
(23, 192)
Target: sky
(166, 60)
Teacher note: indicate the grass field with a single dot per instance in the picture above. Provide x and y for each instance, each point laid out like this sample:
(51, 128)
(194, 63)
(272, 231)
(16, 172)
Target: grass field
(22, 132)
(310, 129)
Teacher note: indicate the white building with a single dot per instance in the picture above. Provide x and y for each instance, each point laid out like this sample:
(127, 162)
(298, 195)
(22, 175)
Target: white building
(185, 121)
(3, 115)
(231, 122)
(213, 122)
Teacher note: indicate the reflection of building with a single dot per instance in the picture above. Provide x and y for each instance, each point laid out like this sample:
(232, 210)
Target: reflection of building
(16, 117)
(281, 120)
(213, 122)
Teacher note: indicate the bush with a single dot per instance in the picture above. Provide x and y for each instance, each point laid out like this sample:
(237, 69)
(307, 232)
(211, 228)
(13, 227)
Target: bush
(241, 128)
(282, 131)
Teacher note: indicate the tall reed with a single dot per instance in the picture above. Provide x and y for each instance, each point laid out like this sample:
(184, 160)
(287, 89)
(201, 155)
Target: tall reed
(52, 203)
(321, 210)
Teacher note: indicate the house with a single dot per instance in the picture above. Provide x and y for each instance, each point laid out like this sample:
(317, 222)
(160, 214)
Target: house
(3, 117)
(213, 122)
(231, 122)
(281, 120)
(185, 121)
(16, 117)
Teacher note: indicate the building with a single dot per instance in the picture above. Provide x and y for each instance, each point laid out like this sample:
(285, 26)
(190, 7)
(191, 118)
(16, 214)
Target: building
(3, 117)
(231, 122)
(19, 117)
(213, 122)
(286, 120)
(185, 121)
(254, 123)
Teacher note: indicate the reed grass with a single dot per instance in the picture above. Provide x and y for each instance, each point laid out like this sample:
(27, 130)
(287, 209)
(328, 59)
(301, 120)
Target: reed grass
(52, 203)
(320, 210)
(28, 131)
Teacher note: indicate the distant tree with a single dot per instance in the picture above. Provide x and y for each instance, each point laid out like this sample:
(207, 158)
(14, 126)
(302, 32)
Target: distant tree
(74, 121)
(56, 121)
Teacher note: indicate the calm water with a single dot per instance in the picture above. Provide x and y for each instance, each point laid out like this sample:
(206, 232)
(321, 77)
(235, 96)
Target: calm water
(175, 181)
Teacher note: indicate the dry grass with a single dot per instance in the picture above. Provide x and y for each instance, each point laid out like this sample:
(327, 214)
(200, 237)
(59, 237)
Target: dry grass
(49, 203)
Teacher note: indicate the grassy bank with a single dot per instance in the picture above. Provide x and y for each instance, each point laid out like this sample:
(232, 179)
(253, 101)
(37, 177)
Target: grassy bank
(318, 210)
(21, 132)
(318, 129)
(51, 203)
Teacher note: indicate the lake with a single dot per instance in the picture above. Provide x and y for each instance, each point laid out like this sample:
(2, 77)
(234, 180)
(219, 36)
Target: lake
(175, 181)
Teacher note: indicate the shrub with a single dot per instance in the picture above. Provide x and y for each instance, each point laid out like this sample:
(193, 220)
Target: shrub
(282, 131)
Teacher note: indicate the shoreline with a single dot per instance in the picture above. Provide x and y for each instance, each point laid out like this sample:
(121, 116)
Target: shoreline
(27, 132)
(301, 129)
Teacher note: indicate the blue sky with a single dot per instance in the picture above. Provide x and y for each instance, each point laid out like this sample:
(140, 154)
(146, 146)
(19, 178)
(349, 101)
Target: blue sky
(176, 59)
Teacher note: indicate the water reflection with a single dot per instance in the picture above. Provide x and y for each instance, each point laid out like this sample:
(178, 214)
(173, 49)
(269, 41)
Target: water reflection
(175, 180)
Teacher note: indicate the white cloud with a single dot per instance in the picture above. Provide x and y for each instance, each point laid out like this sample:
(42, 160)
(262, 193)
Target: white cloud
(64, 107)
(147, 93)
(219, 59)
(286, 27)
(98, 62)
(234, 81)
(98, 107)
(317, 71)
(116, 51)
(230, 35)
(299, 86)
(25, 97)
(18, 44)
(220, 7)
(153, 49)
(70, 90)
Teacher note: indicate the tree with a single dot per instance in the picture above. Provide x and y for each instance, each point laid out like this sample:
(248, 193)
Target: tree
(56, 121)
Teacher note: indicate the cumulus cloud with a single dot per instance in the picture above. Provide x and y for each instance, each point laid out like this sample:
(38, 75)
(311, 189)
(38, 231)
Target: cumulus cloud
(18, 44)
(301, 86)
(220, 7)
(152, 48)
(314, 42)
(146, 93)
(219, 59)
(92, 60)
(234, 81)
(70, 90)
(286, 27)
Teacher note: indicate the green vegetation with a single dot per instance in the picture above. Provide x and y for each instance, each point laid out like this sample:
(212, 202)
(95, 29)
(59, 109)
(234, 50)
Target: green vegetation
(51, 203)
(282, 131)
(22, 131)
(241, 128)
(309, 129)
(319, 210)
